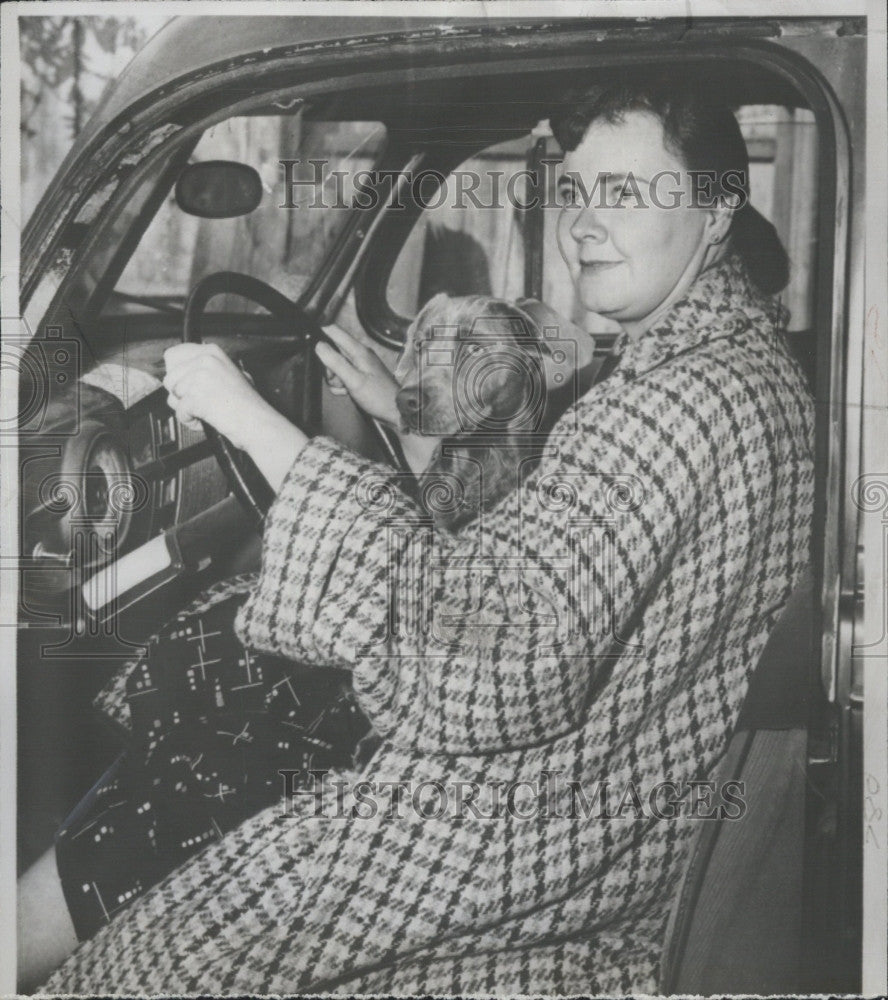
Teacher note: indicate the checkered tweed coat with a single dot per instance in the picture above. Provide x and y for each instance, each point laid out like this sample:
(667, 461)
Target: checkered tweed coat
(601, 623)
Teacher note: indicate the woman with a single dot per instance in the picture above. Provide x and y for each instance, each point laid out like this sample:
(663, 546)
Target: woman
(544, 663)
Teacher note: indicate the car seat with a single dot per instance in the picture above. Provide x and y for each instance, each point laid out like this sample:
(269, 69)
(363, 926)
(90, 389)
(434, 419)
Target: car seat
(736, 923)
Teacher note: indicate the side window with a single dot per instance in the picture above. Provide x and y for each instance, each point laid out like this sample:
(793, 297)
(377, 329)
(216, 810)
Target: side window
(469, 240)
(782, 144)
(476, 233)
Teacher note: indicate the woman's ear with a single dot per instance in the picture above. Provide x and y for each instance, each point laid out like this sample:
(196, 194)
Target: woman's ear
(718, 218)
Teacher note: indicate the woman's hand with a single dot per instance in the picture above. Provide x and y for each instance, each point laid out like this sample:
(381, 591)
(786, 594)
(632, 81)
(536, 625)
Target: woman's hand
(205, 384)
(367, 379)
(363, 374)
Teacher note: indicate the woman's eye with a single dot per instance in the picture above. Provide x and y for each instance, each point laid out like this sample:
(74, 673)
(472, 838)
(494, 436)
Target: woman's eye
(625, 196)
(567, 194)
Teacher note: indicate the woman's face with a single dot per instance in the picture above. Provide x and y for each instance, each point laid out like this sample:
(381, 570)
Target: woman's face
(626, 254)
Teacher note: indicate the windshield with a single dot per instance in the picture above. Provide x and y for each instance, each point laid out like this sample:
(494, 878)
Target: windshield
(306, 201)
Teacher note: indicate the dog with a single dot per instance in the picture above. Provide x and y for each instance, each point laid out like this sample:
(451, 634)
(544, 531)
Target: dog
(473, 373)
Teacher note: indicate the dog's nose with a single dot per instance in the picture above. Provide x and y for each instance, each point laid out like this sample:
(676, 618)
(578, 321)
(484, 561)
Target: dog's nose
(409, 402)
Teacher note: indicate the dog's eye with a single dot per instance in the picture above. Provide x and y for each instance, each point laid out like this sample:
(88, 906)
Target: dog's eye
(473, 348)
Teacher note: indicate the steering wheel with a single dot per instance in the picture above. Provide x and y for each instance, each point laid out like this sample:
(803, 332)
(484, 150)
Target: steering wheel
(244, 479)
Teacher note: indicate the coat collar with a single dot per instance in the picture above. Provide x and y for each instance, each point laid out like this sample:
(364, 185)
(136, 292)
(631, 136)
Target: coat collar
(722, 301)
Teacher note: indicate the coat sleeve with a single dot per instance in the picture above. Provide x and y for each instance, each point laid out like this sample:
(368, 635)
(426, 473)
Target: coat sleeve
(489, 639)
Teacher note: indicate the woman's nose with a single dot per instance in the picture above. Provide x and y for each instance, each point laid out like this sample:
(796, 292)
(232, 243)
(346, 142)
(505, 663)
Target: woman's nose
(588, 225)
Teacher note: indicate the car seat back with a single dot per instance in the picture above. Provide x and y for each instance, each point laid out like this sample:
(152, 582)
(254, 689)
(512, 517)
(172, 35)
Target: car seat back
(736, 923)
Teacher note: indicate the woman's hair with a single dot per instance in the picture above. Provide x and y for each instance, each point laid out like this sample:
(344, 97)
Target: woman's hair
(705, 136)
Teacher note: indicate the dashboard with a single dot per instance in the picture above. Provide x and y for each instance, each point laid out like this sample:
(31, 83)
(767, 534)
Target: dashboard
(120, 500)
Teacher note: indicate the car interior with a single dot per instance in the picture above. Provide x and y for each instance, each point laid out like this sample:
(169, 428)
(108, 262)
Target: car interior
(367, 250)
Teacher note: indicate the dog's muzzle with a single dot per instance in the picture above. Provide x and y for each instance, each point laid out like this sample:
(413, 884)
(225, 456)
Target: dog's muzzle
(410, 403)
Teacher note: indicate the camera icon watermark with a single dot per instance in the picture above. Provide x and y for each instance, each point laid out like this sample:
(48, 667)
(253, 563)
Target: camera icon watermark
(481, 366)
(869, 494)
(490, 378)
(46, 368)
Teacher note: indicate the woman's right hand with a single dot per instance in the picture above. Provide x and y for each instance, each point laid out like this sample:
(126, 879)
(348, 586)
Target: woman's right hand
(369, 383)
(205, 384)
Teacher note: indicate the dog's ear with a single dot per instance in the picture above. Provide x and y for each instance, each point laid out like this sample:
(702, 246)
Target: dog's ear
(506, 397)
(525, 309)
(436, 310)
(486, 475)
(508, 376)
(539, 317)
(440, 305)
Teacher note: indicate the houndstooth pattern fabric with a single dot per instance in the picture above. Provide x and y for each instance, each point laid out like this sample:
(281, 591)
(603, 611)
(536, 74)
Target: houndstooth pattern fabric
(601, 623)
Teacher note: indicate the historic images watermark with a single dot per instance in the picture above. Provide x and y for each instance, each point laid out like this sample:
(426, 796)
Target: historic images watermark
(422, 570)
(549, 796)
(312, 184)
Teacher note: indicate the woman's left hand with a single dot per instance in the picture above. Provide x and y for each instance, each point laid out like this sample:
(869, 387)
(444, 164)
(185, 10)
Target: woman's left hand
(363, 373)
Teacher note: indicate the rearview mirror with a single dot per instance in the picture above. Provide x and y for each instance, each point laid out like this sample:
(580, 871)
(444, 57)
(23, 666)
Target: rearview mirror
(218, 189)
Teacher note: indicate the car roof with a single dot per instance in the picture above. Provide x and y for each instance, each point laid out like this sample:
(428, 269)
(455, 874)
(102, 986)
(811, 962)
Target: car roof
(188, 45)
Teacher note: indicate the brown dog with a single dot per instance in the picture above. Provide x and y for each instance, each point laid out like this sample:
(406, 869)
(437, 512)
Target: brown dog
(473, 373)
